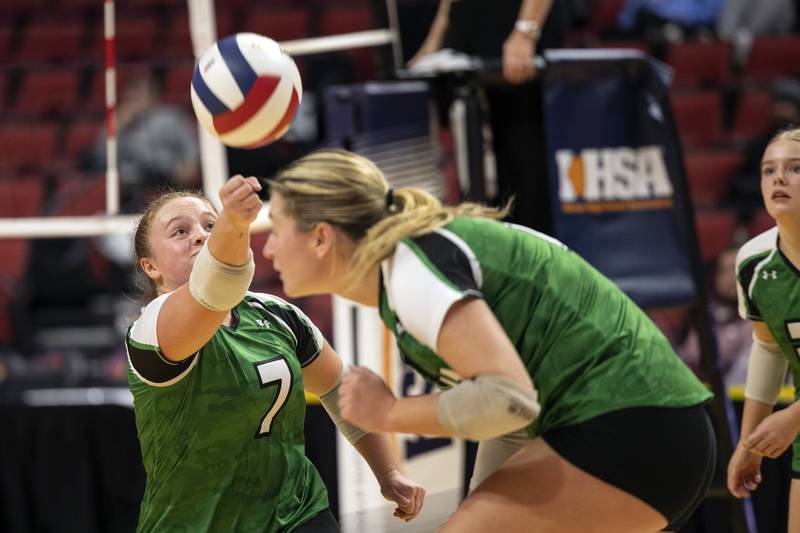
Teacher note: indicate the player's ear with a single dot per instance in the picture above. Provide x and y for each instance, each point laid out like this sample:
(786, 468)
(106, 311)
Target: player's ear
(149, 268)
(323, 236)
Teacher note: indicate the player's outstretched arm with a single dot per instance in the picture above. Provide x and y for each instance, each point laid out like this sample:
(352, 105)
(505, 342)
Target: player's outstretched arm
(220, 276)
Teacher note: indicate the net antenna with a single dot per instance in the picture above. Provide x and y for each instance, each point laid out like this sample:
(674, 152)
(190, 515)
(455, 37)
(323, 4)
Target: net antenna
(214, 165)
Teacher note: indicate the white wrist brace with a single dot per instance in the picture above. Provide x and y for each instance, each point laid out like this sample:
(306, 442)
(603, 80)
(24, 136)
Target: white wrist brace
(486, 406)
(330, 401)
(766, 371)
(218, 286)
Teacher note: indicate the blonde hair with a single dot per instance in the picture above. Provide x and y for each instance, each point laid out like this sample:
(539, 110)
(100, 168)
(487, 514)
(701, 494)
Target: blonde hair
(141, 239)
(350, 192)
(792, 134)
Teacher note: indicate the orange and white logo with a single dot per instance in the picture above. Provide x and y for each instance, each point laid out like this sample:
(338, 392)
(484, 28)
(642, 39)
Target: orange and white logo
(601, 180)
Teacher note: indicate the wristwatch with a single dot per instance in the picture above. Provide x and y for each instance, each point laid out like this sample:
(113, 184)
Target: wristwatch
(529, 28)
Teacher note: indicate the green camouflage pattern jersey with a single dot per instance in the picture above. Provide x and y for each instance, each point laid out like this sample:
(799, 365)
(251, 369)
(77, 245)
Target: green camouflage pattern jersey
(588, 348)
(222, 431)
(768, 286)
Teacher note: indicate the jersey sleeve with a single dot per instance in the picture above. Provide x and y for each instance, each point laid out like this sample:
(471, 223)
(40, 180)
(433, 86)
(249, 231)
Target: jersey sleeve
(428, 274)
(745, 270)
(144, 353)
(309, 339)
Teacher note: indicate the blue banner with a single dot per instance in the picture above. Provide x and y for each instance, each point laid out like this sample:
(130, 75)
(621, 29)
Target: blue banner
(613, 159)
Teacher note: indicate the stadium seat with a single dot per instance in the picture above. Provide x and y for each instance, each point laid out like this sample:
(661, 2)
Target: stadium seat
(715, 231)
(336, 20)
(21, 197)
(81, 197)
(773, 57)
(47, 91)
(29, 144)
(709, 173)
(135, 39)
(177, 40)
(176, 85)
(51, 39)
(760, 223)
(753, 115)
(81, 136)
(604, 16)
(701, 63)
(698, 116)
(279, 23)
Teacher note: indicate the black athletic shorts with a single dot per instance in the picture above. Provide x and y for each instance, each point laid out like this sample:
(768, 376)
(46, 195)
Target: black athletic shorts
(322, 522)
(665, 456)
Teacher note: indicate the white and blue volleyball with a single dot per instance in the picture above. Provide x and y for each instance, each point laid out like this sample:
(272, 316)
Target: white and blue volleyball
(246, 90)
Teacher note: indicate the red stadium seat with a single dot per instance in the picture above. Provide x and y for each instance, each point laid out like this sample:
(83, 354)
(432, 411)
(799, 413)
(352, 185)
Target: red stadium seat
(82, 197)
(26, 144)
(773, 57)
(21, 197)
(715, 231)
(698, 116)
(47, 91)
(81, 136)
(753, 115)
(338, 20)
(701, 63)
(282, 23)
(760, 223)
(51, 39)
(604, 15)
(177, 81)
(709, 173)
(135, 39)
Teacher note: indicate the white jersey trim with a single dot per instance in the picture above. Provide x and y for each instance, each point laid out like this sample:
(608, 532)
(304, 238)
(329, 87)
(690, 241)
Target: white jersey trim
(767, 241)
(145, 331)
(418, 297)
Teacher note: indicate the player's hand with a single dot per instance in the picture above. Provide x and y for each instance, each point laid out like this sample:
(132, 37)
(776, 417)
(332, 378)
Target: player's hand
(518, 66)
(240, 201)
(773, 435)
(744, 472)
(365, 400)
(408, 495)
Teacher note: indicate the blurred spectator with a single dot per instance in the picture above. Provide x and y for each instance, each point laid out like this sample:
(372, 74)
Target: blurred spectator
(156, 145)
(744, 19)
(745, 184)
(662, 22)
(511, 31)
(734, 335)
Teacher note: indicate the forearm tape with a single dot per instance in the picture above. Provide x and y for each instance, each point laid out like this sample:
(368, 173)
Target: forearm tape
(486, 407)
(218, 286)
(766, 371)
(330, 401)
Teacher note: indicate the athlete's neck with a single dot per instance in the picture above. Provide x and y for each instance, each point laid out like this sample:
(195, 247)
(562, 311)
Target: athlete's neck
(366, 292)
(790, 242)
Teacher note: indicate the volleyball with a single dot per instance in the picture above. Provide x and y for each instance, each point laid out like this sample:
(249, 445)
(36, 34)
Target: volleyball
(246, 90)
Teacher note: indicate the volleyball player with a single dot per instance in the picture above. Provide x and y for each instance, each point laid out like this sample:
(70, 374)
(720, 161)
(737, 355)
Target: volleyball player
(587, 419)
(769, 295)
(218, 373)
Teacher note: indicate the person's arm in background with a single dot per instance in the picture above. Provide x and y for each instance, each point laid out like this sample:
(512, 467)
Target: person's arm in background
(762, 433)
(433, 42)
(519, 47)
(321, 377)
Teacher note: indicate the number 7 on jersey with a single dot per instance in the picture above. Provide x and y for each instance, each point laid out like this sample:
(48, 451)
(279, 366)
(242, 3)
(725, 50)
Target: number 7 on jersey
(273, 372)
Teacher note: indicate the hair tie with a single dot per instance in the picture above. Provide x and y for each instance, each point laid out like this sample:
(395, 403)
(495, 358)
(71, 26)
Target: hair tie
(390, 198)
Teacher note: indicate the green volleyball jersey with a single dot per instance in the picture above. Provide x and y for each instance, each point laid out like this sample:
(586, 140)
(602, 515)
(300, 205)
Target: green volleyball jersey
(588, 348)
(222, 431)
(768, 287)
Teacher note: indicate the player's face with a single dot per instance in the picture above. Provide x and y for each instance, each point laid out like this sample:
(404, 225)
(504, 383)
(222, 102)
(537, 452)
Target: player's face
(292, 252)
(780, 179)
(177, 234)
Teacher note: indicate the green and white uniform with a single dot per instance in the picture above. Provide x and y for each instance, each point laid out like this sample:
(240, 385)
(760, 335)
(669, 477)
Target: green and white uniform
(222, 431)
(589, 349)
(768, 285)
